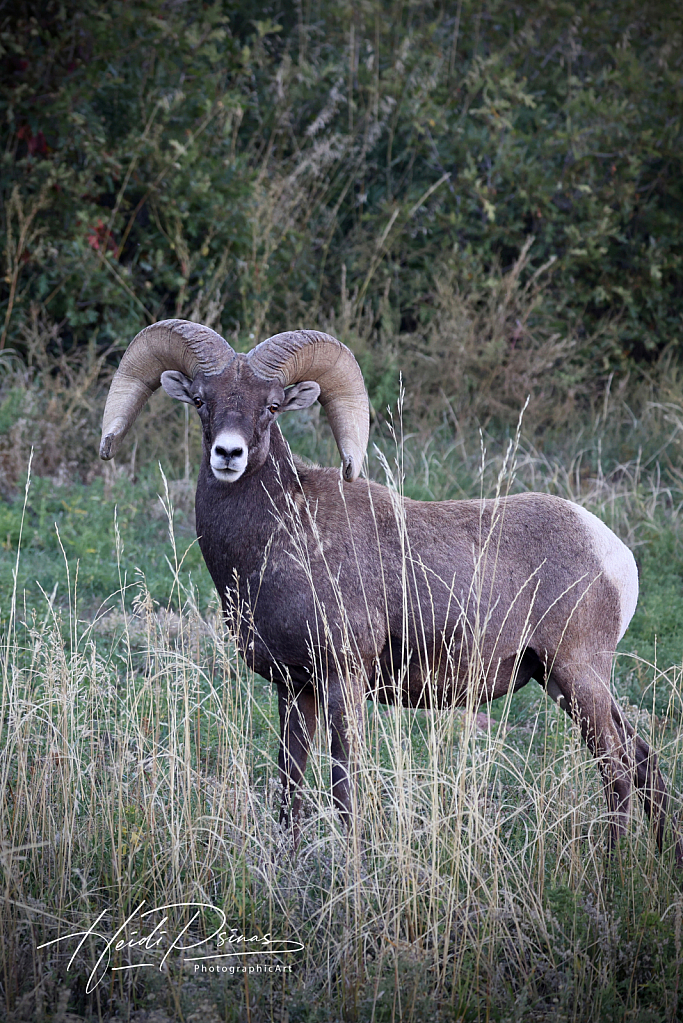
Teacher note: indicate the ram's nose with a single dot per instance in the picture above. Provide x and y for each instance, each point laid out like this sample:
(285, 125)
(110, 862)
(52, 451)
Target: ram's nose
(228, 453)
(228, 456)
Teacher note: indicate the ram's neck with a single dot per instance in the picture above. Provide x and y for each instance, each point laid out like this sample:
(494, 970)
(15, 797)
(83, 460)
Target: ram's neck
(235, 521)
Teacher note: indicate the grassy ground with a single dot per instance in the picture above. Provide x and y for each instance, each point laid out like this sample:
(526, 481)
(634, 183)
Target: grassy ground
(450, 192)
(139, 765)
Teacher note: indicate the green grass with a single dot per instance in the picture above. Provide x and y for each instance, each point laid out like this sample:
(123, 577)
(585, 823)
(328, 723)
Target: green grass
(140, 763)
(79, 522)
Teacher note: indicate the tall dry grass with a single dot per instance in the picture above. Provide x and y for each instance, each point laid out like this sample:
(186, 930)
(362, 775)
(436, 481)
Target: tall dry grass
(139, 764)
(486, 345)
(139, 757)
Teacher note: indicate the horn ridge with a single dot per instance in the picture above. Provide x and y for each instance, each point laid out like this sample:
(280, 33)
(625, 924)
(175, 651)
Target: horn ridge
(299, 355)
(181, 345)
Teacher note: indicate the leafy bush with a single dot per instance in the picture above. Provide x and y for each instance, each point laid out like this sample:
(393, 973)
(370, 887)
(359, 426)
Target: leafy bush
(254, 168)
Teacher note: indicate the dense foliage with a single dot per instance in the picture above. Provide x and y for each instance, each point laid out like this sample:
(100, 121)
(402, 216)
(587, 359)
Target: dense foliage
(255, 165)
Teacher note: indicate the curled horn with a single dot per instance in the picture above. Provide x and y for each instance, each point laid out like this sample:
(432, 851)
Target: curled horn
(309, 355)
(178, 345)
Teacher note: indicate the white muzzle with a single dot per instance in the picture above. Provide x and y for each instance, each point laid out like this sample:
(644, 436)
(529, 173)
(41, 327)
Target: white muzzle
(229, 456)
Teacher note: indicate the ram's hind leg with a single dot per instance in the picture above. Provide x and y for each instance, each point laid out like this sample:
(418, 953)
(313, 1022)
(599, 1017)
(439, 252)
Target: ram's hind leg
(298, 717)
(650, 783)
(623, 757)
(583, 692)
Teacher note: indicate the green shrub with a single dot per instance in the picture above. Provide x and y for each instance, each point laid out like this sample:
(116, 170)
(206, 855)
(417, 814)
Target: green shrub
(255, 169)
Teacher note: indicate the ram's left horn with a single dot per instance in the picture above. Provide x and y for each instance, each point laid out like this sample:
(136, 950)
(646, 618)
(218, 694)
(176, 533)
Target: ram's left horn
(300, 355)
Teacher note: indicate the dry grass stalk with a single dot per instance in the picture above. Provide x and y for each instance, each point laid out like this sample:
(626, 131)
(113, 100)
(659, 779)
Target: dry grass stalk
(146, 769)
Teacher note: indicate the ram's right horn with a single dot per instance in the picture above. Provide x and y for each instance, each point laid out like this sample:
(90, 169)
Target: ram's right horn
(180, 345)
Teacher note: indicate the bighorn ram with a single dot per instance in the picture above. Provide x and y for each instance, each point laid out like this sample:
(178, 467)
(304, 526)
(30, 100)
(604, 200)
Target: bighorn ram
(371, 595)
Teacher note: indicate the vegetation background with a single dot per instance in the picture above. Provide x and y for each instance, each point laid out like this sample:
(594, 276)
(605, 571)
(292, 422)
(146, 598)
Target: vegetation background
(484, 196)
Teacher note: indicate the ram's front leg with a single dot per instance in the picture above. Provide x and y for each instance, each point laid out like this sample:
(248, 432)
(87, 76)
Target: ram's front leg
(344, 716)
(298, 717)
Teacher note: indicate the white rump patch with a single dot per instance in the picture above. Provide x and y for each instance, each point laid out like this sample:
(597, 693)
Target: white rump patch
(617, 561)
(229, 453)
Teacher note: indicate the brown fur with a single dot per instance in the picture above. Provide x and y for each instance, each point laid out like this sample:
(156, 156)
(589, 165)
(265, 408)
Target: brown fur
(339, 591)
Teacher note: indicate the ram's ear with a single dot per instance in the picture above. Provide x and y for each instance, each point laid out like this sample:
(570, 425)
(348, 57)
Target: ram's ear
(177, 385)
(300, 395)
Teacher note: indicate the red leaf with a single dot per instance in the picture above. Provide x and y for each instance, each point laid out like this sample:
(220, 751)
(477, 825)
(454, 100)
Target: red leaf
(100, 238)
(37, 146)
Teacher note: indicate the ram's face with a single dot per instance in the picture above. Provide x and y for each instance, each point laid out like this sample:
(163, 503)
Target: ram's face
(237, 409)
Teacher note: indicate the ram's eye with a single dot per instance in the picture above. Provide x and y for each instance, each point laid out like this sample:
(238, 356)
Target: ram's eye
(274, 407)
(197, 401)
